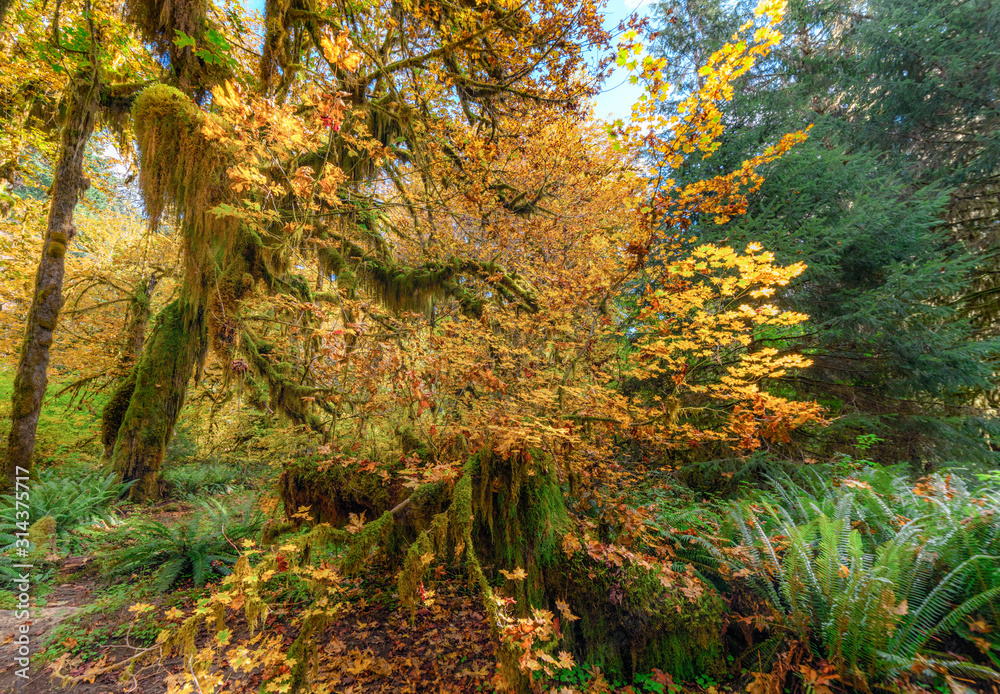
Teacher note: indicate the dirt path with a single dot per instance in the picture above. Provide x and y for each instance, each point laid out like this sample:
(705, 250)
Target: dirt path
(62, 603)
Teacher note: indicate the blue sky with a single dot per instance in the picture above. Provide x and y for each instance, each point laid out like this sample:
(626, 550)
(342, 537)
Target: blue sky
(618, 96)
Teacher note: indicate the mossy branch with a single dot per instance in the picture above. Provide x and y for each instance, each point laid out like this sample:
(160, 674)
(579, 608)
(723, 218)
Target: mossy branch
(400, 287)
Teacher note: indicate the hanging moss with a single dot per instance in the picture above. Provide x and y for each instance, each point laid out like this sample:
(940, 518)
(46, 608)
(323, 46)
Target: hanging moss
(521, 518)
(158, 21)
(383, 122)
(277, 49)
(400, 288)
(183, 165)
(430, 545)
(284, 394)
(365, 542)
(416, 289)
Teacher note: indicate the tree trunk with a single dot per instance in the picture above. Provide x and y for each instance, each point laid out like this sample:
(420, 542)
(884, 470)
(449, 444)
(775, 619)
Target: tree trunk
(135, 335)
(31, 378)
(113, 413)
(139, 312)
(5, 6)
(158, 387)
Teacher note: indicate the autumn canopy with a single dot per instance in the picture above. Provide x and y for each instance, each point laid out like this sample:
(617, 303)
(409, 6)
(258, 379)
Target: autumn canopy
(468, 333)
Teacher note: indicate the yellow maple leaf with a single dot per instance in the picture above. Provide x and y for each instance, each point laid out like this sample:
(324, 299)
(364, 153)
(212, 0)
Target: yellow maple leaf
(356, 524)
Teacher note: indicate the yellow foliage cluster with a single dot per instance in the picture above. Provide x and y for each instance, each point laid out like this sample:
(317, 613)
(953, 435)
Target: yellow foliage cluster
(112, 251)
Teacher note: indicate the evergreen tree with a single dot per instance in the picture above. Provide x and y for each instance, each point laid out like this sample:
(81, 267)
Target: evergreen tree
(870, 203)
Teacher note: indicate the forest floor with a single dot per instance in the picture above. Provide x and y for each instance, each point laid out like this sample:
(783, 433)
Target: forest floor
(83, 629)
(82, 626)
(98, 607)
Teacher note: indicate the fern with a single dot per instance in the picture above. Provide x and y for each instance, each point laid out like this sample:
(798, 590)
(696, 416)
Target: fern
(200, 547)
(72, 502)
(865, 591)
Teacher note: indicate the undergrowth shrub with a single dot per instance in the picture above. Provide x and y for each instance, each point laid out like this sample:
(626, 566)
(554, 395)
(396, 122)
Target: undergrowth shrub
(199, 547)
(875, 573)
(202, 479)
(71, 500)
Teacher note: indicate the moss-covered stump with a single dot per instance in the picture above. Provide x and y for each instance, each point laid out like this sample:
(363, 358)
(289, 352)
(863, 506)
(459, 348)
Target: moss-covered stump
(332, 492)
(520, 519)
(630, 623)
(510, 513)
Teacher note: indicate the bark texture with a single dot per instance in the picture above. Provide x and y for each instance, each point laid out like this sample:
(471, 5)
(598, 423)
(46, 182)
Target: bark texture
(5, 6)
(135, 336)
(158, 387)
(139, 312)
(69, 182)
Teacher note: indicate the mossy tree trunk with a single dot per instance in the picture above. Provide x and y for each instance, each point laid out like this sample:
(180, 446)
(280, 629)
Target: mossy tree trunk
(149, 402)
(139, 307)
(114, 412)
(5, 6)
(69, 182)
(135, 336)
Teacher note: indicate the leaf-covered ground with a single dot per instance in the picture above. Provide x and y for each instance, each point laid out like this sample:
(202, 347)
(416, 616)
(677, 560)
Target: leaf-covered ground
(374, 647)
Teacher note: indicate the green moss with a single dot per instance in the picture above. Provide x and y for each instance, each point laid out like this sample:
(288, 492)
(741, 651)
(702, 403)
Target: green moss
(505, 513)
(365, 541)
(184, 165)
(630, 623)
(161, 379)
(273, 386)
(431, 544)
(521, 518)
(114, 412)
(42, 536)
(645, 625)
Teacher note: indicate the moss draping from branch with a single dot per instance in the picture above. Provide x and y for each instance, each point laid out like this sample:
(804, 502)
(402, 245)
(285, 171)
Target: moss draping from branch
(277, 48)
(159, 21)
(403, 288)
(184, 165)
(270, 386)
